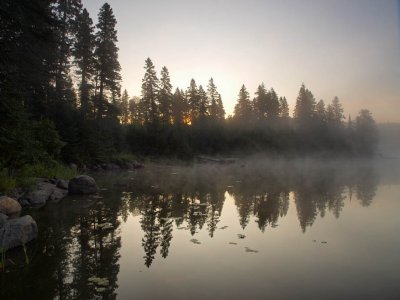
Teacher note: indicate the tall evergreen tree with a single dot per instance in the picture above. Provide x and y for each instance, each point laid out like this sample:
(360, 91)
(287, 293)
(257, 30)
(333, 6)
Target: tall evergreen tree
(243, 109)
(305, 105)
(260, 102)
(284, 108)
(66, 13)
(165, 97)
(272, 105)
(178, 107)
(150, 92)
(204, 104)
(107, 67)
(83, 53)
(335, 112)
(216, 108)
(193, 99)
(320, 111)
(124, 109)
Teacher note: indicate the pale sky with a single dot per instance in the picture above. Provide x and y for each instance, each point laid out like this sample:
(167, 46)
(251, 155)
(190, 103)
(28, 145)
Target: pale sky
(344, 48)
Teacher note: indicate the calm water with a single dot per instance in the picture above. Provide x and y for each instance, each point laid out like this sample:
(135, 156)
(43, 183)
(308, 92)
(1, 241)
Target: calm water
(247, 231)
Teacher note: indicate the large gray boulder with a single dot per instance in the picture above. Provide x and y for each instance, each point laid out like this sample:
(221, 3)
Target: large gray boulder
(82, 184)
(3, 219)
(43, 192)
(17, 232)
(9, 206)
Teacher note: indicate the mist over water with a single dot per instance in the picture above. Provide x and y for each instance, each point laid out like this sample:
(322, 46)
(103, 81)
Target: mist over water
(304, 229)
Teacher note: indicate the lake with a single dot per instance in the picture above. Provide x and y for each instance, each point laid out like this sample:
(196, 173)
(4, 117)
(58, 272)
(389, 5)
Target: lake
(251, 230)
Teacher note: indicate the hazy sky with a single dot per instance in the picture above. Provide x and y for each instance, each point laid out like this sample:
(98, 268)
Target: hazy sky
(344, 48)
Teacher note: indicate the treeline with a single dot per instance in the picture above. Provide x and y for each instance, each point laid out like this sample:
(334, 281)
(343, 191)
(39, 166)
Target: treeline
(60, 99)
(185, 123)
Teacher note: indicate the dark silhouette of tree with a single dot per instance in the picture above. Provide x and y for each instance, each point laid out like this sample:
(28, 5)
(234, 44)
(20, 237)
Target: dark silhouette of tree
(305, 105)
(193, 100)
(150, 92)
(165, 97)
(84, 59)
(204, 104)
(216, 108)
(107, 66)
(367, 132)
(334, 112)
(284, 108)
(124, 107)
(320, 112)
(243, 108)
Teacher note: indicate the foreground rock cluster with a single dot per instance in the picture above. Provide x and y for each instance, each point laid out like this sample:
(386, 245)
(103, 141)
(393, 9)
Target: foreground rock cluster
(17, 231)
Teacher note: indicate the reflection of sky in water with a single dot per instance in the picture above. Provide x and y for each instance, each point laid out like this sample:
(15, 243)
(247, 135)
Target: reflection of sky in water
(286, 215)
(358, 259)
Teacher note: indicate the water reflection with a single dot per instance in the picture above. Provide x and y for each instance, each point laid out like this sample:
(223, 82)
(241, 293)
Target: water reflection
(73, 249)
(193, 198)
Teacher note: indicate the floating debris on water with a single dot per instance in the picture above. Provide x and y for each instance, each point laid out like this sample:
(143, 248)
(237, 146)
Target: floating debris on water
(232, 243)
(250, 250)
(99, 281)
(274, 225)
(241, 236)
(174, 173)
(230, 186)
(324, 242)
(104, 226)
(195, 241)
(97, 197)
(182, 228)
(314, 241)
(223, 227)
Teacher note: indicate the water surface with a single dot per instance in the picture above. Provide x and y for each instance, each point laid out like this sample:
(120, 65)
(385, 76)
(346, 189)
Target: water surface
(254, 230)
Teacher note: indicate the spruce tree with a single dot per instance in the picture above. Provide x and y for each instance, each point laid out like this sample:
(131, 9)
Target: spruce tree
(260, 102)
(165, 97)
(83, 54)
(243, 109)
(216, 108)
(335, 111)
(305, 105)
(106, 53)
(193, 99)
(150, 92)
(320, 112)
(272, 105)
(283, 108)
(204, 104)
(124, 108)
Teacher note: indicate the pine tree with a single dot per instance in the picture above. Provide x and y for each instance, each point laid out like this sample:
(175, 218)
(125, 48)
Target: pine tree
(320, 112)
(66, 13)
(272, 105)
(243, 109)
(305, 105)
(204, 104)
(335, 111)
(83, 53)
(216, 108)
(107, 67)
(150, 92)
(124, 107)
(260, 102)
(178, 107)
(193, 99)
(284, 108)
(165, 97)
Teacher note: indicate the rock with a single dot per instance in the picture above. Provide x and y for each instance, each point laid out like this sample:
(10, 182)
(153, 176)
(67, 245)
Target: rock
(9, 206)
(73, 166)
(82, 184)
(62, 184)
(3, 219)
(44, 191)
(17, 232)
